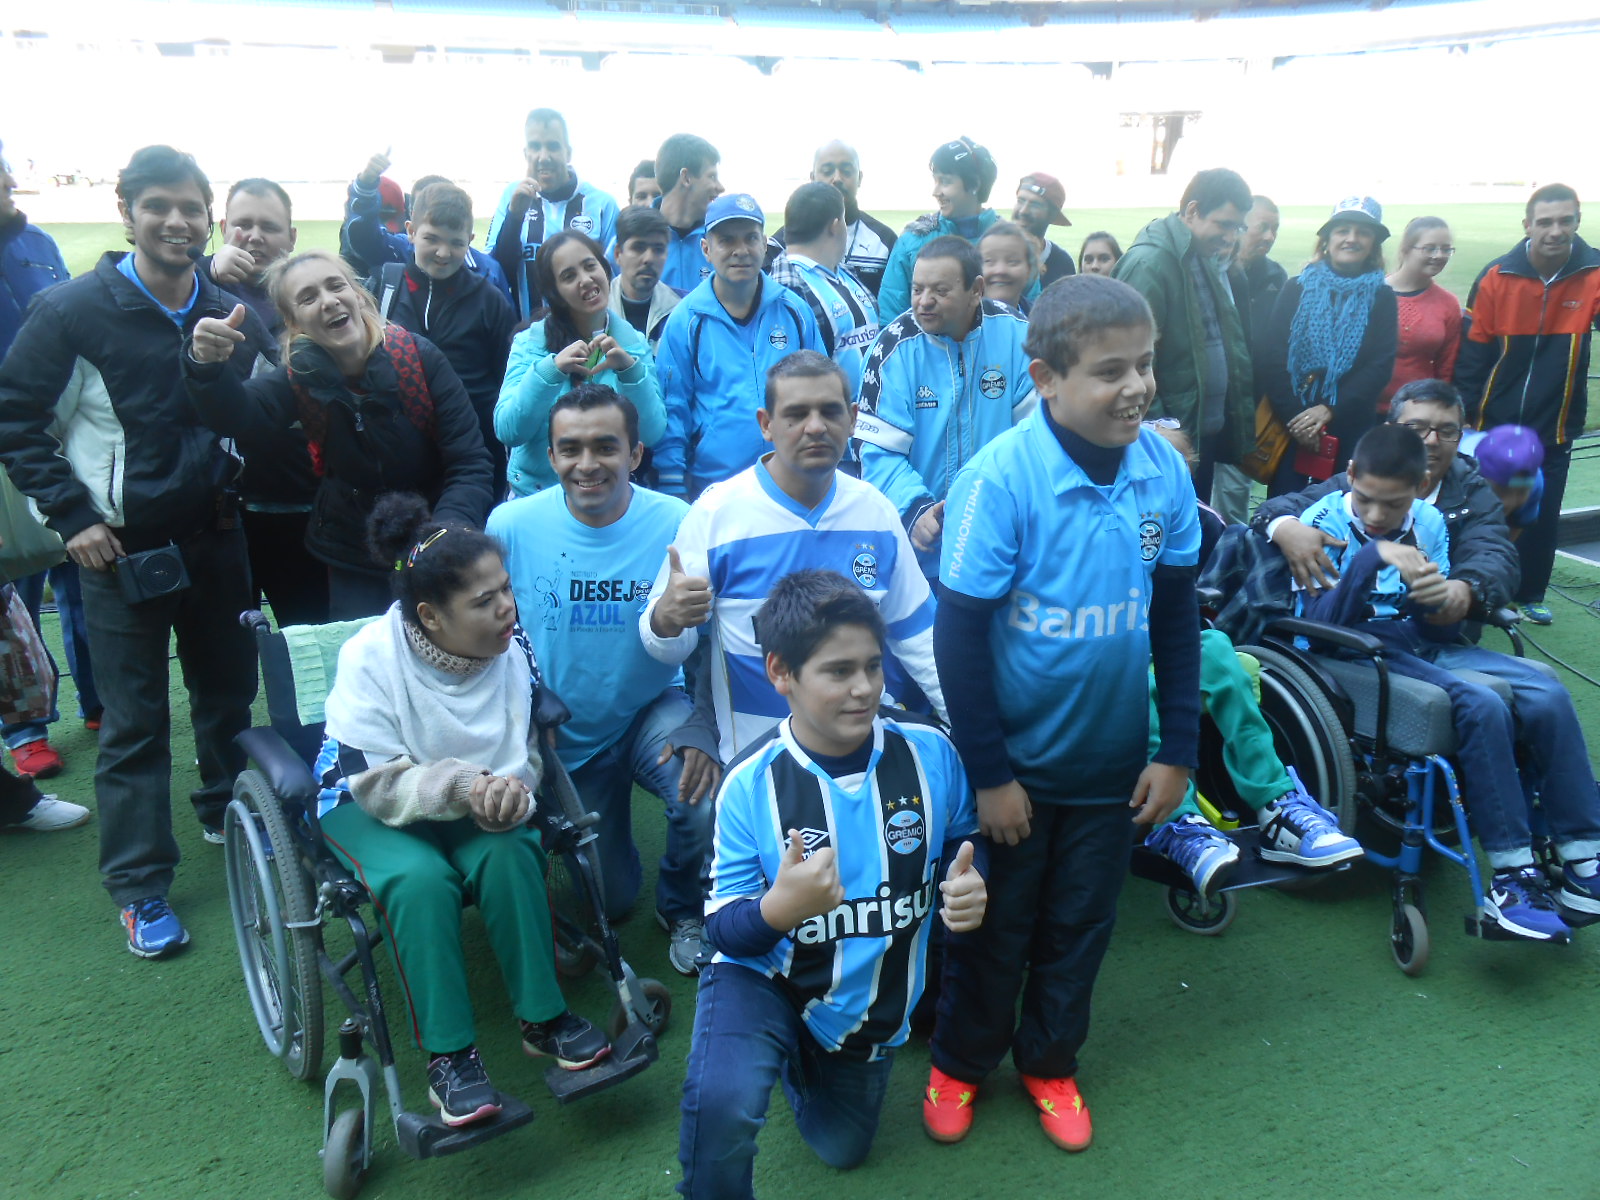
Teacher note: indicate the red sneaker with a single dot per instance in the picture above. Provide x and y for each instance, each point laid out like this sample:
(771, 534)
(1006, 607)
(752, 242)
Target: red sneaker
(92, 721)
(947, 1107)
(1063, 1115)
(37, 758)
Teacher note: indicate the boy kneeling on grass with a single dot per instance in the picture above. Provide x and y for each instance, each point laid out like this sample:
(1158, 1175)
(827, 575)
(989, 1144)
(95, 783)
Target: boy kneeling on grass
(831, 832)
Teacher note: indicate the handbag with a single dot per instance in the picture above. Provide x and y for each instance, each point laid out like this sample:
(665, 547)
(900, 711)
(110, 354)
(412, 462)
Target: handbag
(1272, 442)
(26, 546)
(27, 672)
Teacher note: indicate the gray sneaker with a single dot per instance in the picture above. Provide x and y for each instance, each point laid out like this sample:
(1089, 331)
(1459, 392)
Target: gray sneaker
(686, 943)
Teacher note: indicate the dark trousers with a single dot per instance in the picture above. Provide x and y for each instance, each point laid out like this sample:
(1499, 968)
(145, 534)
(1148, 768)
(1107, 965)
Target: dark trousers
(353, 594)
(1052, 906)
(18, 795)
(1537, 545)
(284, 571)
(747, 1036)
(133, 780)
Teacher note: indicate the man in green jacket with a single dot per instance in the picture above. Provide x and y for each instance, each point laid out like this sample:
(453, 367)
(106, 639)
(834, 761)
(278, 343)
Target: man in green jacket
(1202, 361)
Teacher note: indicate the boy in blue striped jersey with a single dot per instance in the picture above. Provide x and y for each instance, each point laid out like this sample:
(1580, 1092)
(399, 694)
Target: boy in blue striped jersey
(831, 834)
(1067, 570)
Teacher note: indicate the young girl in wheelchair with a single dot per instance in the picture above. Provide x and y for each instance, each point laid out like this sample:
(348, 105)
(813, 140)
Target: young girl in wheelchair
(427, 774)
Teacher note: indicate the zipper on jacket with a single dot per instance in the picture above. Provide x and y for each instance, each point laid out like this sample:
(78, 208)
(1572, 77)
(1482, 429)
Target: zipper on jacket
(1533, 359)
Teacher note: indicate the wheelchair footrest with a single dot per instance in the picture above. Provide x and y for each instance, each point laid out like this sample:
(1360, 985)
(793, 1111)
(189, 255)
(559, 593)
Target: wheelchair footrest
(1479, 928)
(428, 1137)
(629, 1055)
(1250, 871)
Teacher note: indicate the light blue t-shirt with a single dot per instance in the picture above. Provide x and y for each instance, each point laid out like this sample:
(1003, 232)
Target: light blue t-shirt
(176, 315)
(1073, 563)
(579, 594)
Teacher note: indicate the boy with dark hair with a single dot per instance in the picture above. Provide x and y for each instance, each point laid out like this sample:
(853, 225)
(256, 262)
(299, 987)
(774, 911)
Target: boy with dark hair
(963, 176)
(639, 297)
(686, 172)
(463, 314)
(1071, 558)
(548, 199)
(940, 383)
(368, 240)
(831, 834)
(1391, 551)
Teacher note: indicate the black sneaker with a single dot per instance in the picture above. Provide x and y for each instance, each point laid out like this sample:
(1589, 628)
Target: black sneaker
(460, 1089)
(569, 1039)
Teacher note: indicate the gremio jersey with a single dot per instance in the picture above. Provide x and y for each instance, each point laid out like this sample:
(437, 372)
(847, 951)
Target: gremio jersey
(744, 535)
(1423, 528)
(1072, 563)
(855, 972)
(515, 241)
(846, 313)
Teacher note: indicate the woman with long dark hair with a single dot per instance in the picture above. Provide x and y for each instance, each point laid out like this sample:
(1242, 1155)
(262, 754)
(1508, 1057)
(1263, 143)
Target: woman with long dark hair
(1329, 350)
(574, 339)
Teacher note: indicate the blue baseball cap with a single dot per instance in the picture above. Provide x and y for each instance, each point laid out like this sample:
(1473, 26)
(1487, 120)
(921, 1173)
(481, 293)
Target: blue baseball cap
(1359, 210)
(1510, 455)
(734, 206)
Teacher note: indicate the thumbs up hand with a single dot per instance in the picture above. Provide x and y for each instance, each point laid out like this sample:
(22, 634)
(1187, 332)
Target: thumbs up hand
(805, 887)
(966, 897)
(373, 171)
(213, 340)
(684, 604)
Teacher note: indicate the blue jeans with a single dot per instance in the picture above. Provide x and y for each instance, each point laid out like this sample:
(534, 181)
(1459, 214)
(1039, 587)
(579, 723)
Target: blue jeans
(1547, 727)
(74, 639)
(747, 1035)
(605, 784)
(1052, 907)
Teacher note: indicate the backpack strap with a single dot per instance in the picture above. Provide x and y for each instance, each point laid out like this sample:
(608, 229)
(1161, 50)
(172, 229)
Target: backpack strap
(313, 423)
(415, 398)
(390, 277)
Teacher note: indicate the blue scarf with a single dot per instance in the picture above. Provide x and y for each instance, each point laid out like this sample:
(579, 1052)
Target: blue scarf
(1328, 327)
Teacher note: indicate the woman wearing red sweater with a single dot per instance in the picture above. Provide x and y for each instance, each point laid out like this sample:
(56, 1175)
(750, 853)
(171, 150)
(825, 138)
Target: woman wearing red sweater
(1430, 317)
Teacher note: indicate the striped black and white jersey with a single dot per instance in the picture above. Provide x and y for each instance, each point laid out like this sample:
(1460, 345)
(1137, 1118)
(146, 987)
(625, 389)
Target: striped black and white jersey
(867, 242)
(846, 313)
(855, 972)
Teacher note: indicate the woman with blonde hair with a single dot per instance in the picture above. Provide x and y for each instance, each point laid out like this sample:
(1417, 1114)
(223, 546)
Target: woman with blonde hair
(381, 409)
(1328, 352)
(1430, 317)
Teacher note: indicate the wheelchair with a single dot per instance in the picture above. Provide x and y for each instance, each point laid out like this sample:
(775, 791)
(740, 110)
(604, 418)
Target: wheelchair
(284, 884)
(1380, 746)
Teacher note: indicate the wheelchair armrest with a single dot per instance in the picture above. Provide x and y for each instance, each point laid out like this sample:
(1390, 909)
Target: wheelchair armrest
(255, 621)
(1504, 618)
(1210, 597)
(549, 710)
(285, 771)
(1336, 635)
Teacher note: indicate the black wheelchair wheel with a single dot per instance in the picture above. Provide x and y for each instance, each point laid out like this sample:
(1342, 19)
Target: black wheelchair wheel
(1408, 939)
(572, 917)
(1186, 911)
(344, 1156)
(657, 1012)
(1308, 733)
(273, 912)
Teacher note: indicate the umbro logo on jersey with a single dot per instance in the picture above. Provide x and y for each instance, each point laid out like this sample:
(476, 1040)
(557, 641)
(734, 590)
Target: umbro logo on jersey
(811, 840)
(779, 339)
(992, 383)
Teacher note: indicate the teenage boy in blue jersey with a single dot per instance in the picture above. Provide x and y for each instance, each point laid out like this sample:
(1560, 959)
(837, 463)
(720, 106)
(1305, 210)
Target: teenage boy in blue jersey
(963, 176)
(1390, 548)
(686, 170)
(547, 200)
(941, 382)
(581, 559)
(837, 834)
(1068, 566)
(713, 356)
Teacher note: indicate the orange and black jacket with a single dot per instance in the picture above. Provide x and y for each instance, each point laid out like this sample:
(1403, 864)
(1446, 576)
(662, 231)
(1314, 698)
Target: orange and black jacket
(1525, 346)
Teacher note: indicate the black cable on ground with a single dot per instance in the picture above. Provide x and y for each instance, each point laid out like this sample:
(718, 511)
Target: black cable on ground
(1560, 662)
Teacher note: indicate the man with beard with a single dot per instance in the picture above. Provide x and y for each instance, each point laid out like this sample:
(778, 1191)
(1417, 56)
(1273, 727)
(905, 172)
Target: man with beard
(1039, 201)
(867, 239)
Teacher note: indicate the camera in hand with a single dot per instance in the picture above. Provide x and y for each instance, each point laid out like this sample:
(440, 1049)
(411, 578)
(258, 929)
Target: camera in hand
(151, 574)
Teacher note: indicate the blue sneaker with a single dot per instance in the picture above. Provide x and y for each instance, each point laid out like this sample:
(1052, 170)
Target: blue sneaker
(1296, 829)
(153, 928)
(1519, 904)
(1537, 614)
(1580, 887)
(1199, 849)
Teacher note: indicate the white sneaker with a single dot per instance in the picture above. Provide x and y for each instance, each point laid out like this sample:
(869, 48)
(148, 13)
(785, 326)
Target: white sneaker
(51, 815)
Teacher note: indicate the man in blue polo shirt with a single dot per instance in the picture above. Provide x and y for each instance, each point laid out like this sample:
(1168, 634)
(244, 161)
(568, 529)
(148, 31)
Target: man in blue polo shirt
(581, 559)
(940, 383)
(713, 356)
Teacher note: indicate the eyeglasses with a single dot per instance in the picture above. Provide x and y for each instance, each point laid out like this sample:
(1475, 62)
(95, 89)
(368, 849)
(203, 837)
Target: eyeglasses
(1433, 251)
(1445, 433)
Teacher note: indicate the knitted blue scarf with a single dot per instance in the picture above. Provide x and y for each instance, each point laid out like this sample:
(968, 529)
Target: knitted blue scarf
(1325, 335)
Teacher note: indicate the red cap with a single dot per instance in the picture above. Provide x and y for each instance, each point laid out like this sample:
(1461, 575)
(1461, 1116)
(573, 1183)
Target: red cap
(390, 196)
(1048, 187)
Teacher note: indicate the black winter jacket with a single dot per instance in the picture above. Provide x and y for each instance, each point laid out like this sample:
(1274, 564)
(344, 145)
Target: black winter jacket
(94, 422)
(371, 446)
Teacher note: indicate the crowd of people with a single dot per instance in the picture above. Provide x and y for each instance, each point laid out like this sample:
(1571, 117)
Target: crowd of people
(736, 493)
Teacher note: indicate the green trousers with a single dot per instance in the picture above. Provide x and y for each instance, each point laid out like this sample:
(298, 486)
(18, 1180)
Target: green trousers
(1232, 699)
(419, 877)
